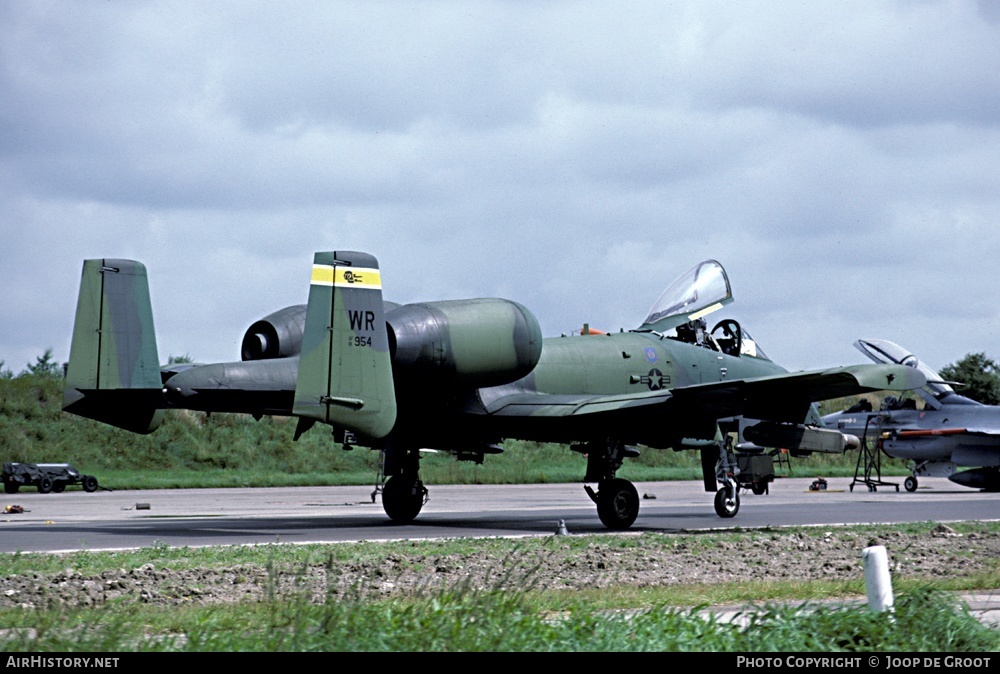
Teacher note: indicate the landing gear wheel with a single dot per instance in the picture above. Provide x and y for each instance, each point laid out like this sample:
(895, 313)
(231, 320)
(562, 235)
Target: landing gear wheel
(89, 483)
(910, 484)
(723, 506)
(617, 503)
(759, 488)
(402, 498)
(45, 485)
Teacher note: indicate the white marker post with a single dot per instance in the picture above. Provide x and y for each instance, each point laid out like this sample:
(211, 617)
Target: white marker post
(878, 583)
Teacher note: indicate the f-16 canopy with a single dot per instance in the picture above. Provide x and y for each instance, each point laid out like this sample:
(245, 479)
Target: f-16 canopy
(884, 351)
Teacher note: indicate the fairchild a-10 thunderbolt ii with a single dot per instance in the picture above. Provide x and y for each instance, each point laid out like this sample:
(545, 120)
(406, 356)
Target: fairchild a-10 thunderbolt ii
(463, 375)
(951, 432)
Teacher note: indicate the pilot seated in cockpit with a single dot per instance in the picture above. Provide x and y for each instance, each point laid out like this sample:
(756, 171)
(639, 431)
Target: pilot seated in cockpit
(692, 332)
(696, 332)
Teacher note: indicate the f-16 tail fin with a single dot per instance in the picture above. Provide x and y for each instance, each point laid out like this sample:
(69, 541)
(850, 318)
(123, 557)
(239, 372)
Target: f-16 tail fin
(113, 374)
(345, 369)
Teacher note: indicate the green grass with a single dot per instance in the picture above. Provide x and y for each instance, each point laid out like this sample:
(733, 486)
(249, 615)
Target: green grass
(497, 622)
(923, 620)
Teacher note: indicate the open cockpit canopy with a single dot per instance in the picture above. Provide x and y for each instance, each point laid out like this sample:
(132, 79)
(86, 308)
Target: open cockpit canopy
(884, 351)
(680, 310)
(698, 292)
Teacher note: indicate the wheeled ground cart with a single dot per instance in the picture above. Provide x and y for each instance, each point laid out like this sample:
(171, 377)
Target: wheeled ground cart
(47, 477)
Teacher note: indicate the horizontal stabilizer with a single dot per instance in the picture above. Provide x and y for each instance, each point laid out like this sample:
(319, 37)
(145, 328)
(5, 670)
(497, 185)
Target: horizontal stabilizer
(133, 410)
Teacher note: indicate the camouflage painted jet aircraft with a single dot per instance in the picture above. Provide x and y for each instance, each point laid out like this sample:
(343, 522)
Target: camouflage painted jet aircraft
(463, 375)
(950, 432)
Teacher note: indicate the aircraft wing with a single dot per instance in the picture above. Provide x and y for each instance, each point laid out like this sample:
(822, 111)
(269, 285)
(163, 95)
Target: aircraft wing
(787, 397)
(782, 397)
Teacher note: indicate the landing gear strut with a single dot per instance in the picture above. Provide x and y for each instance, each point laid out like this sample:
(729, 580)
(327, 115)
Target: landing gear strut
(616, 498)
(727, 498)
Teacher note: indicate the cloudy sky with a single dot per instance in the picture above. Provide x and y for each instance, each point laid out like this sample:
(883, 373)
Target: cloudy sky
(841, 160)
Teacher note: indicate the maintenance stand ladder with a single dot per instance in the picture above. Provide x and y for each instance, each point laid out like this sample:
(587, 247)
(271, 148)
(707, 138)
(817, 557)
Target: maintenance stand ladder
(871, 457)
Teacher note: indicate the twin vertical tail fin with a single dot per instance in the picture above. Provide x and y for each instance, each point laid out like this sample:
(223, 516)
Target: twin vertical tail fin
(345, 368)
(113, 374)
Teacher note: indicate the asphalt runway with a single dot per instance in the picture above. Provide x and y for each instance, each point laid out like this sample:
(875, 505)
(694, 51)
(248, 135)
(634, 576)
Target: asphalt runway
(104, 520)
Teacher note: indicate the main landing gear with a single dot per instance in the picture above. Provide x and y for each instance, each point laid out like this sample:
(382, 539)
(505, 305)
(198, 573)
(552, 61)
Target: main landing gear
(617, 502)
(616, 498)
(403, 494)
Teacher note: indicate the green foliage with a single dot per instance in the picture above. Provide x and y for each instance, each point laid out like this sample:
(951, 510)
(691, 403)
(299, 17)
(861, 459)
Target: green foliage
(979, 375)
(44, 366)
(504, 621)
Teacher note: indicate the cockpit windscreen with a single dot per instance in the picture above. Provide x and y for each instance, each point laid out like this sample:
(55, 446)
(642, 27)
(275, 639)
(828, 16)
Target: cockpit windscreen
(701, 290)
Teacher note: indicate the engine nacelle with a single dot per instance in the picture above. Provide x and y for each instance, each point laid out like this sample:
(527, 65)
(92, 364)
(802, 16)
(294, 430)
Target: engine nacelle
(475, 343)
(277, 335)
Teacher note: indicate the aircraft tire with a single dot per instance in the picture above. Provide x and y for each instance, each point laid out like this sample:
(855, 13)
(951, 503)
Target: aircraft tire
(402, 498)
(44, 485)
(89, 483)
(617, 503)
(722, 509)
(910, 484)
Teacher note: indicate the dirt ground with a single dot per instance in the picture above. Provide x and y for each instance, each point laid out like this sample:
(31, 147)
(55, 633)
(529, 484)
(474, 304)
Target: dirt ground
(678, 559)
